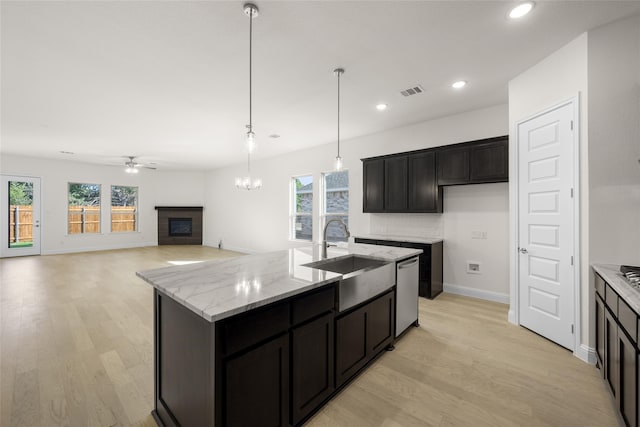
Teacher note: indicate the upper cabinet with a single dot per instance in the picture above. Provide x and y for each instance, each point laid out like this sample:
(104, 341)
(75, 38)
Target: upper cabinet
(395, 184)
(412, 182)
(401, 183)
(476, 162)
(373, 185)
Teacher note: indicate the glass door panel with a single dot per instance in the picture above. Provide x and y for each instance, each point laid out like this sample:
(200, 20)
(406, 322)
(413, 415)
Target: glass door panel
(20, 216)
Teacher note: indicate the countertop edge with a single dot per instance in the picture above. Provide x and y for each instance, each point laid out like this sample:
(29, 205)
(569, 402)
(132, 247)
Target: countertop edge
(611, 274)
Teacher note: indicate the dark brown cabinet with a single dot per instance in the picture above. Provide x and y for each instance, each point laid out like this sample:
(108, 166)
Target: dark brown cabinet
(363, 333)
(373, 185)
(312, 360)
(424, 193)
(411, 181)
(489, 161)
(476, 162)
(401, 183)
(395, 184)
(453, 166)
(617, 349)
(259, 376)
(430, 264)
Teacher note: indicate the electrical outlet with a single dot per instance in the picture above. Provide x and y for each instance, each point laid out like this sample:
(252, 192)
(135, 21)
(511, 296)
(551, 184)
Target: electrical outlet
(473, 267)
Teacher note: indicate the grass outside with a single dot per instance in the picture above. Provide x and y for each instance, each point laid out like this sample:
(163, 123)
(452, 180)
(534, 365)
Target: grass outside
(21, 245)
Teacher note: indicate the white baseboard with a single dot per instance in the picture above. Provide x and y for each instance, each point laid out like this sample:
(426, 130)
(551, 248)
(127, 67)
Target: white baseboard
(476, 293)
(512, 317)
(99, 248)
(586, 354)
(239, 249)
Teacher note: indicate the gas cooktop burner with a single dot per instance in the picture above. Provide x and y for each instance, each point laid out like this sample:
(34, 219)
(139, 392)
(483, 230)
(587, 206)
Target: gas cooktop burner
(632, 274)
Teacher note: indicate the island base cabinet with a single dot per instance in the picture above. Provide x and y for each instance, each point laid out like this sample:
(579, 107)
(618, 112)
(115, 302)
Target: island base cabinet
(611, 362)
(312, 360)
(256, 386)
(361, 334)
(599, 314)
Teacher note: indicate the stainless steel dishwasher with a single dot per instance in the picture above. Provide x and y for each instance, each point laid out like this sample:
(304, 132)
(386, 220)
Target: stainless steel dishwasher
(406, 294)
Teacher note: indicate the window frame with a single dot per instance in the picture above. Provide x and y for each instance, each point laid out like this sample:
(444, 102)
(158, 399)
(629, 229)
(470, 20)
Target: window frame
(136, 215)
(293, 213)
(324, 215)
(83, 222)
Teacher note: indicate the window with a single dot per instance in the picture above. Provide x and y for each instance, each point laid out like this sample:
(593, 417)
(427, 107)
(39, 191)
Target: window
(84, 208)
(302, 208)
(335, 204)
(124, 209)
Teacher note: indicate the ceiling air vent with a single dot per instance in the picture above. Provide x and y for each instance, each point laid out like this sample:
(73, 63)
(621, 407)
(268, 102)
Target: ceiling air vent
(412, 91)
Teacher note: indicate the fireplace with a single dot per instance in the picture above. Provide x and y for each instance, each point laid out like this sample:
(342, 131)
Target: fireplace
(179, 225)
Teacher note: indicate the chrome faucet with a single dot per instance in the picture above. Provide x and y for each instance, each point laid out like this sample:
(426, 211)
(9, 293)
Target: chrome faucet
(324, 234)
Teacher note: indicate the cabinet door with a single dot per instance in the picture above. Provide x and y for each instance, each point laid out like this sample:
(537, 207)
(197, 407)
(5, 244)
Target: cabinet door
(380, 323)
(611, 364)
(312, 360)
(351, 344)
(489, 161)
(256, 386)
(627, 374)
(453, 166)
(373, 185)
(424, 193)
(600, 354)
(395, 184)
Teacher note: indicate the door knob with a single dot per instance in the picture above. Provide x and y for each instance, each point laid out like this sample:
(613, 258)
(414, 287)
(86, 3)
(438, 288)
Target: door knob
(523, 251)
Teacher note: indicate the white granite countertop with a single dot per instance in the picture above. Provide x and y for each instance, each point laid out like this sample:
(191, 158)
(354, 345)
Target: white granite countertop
(611, 274)
(219, 289)
(428, 240)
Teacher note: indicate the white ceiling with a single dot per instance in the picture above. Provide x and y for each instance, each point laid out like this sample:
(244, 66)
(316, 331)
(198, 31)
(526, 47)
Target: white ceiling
(168, 81)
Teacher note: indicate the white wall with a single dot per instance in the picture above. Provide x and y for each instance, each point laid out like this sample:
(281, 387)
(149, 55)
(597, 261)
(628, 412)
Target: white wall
(614, 143)
(557, 78)
(154, 188)
(254, 221)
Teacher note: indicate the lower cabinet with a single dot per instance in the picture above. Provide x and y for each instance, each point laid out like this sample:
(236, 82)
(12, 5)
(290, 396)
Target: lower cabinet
(361, 334)
(312, 363)
(617, 350)
(256, 386)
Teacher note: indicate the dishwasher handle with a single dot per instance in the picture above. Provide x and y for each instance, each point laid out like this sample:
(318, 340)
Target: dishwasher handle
(408, 263)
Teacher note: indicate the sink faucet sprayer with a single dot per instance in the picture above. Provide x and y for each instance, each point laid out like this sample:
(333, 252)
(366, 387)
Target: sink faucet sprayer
(324, 234)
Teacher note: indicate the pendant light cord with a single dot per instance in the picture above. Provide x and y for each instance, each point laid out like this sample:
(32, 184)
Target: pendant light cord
(339, 113)
(250, 67)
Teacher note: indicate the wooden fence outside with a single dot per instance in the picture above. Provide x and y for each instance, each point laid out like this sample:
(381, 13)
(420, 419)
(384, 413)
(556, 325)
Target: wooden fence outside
(86, 219)
(82, 219)
(20, 223)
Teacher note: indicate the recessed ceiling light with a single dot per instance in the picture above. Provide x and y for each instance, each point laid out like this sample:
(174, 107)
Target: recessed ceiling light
(274, 136)
(459, 84)
(66, 152)
(521, 10)
(381, 107)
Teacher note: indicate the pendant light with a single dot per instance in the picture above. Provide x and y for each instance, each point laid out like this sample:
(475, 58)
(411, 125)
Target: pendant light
(338, 162)
(248, 183)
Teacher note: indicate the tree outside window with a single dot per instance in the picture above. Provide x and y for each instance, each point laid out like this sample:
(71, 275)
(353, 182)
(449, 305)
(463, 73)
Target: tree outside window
(83, 208)
(302, 208)
(124, 209)
(335, 203)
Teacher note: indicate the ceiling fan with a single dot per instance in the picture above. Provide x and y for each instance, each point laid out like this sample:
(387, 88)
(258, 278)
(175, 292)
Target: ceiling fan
(133, 166)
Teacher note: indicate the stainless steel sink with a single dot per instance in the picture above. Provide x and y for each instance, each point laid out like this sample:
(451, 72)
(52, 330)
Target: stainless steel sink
(347, 264)
(363, 277)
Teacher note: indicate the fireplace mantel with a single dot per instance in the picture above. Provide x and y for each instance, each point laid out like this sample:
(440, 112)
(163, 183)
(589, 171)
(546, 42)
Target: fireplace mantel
(193, 213)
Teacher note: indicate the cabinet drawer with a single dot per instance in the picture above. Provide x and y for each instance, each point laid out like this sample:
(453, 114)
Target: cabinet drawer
(245, 330)
(599, 281)
(628, 319)
(611, 299)
(313, 304)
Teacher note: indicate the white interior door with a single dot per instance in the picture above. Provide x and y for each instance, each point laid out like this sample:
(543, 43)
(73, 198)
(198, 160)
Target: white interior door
(546, 224)
(20, 216)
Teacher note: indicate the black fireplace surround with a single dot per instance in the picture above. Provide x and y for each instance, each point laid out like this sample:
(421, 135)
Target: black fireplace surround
(179, 225)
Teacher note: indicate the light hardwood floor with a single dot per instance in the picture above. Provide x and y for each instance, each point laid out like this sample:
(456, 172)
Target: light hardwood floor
(76, 349)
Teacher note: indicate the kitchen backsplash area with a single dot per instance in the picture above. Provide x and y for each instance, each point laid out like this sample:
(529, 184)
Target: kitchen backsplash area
(411, 225)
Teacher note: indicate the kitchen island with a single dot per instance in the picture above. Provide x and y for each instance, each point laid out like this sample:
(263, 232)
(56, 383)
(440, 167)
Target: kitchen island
(264, 339)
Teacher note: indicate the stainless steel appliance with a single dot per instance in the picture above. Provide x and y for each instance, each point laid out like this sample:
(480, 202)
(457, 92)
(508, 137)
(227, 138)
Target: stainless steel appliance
(406, 294)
